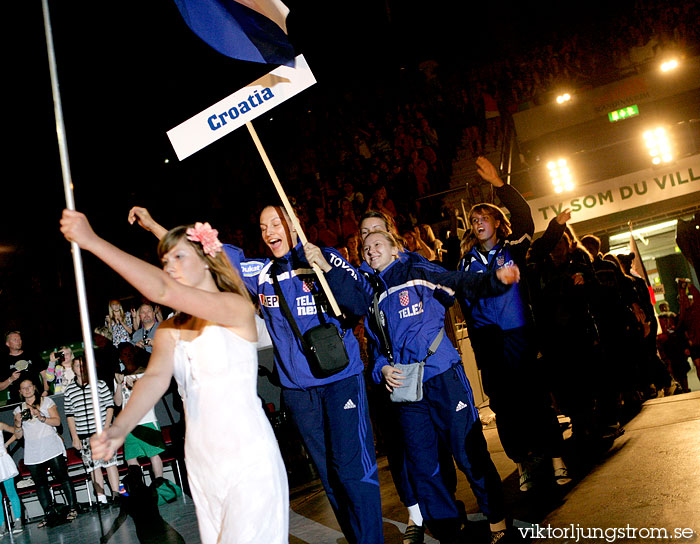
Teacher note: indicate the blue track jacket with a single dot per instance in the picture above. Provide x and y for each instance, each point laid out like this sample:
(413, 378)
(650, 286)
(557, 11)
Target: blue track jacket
(296, 278)
(413, 295)
(509, 310)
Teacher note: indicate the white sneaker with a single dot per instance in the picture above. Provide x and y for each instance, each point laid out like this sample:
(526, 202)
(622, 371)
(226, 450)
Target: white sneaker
(18, 526)
(26, 482)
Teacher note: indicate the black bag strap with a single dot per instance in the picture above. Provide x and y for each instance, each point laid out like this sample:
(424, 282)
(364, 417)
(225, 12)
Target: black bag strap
(319, 309)
(386, 344)
(435, 344)
(287, 312)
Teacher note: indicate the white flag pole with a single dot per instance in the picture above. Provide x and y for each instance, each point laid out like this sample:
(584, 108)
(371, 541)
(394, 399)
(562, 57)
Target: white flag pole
(70, 204)
(290, 211)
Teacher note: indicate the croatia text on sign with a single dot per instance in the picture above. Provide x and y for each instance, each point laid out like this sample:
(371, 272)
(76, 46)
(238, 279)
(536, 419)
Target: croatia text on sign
(243, 106)
(621, 193)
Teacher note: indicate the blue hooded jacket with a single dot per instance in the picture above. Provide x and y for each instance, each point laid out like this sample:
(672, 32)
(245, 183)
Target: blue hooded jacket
(509, 310)
(413, 294)
(297, 279)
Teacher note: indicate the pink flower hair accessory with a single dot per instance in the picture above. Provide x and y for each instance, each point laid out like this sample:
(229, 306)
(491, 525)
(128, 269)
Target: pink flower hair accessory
(207, 236)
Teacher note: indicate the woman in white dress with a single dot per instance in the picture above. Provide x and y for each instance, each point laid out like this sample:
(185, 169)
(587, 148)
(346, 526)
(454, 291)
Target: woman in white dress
(235, 470)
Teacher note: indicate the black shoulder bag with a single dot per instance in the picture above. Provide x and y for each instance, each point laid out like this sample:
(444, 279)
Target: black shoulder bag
(322, 344)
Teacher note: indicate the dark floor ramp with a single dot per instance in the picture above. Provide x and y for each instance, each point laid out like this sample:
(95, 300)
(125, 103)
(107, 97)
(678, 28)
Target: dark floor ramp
(647, 488)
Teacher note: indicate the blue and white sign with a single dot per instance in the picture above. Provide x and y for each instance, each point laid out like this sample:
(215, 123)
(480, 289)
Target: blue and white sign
(243, 106)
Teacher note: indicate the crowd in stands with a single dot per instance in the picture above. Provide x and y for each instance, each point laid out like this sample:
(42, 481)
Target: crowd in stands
(122, 348)
(391, 151)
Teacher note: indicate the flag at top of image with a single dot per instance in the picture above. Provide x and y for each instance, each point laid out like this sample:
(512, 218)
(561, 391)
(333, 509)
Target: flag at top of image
(252, 30)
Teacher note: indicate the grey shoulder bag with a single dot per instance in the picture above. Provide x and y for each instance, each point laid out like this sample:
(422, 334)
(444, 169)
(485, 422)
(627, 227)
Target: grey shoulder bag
(411, 389)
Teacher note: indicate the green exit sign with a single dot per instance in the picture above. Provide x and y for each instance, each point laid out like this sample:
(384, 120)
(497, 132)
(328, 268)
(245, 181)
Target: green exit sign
(624, 113)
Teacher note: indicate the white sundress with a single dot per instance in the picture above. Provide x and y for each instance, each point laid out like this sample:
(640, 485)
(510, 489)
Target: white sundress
(235, 470)
(8, 469)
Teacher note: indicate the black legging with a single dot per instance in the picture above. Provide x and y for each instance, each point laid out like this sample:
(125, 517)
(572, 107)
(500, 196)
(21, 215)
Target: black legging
(59, 470)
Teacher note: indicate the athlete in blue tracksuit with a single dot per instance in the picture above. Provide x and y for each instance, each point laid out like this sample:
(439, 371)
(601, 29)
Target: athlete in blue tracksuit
(412, 301)
(500, 329)
(331, 413)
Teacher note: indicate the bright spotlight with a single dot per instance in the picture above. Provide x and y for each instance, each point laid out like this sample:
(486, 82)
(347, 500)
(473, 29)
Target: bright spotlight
(658, 145)
(669, 65)
(563, 98)
(561, 175)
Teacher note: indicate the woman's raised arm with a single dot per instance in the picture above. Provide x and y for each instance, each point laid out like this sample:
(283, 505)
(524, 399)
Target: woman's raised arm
(227, 309)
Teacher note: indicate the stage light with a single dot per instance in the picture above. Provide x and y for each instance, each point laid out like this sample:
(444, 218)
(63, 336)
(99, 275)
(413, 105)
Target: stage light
(669, 65)
(658, 145)
(561, 175)
(563, 98)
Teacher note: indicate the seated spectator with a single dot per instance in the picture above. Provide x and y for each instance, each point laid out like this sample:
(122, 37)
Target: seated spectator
(353, 246)
(381, 202)
(60, 371)
(323, 231)
(469, 122)
(347, 220)
(130, 355)
(106, 356)
(429, 133)
(356, 198)
(493, 115)
(20, 364)
(36, 420)
(77, 405)
(146, 439)
(415, 243)
(420, 170)
(143, 336)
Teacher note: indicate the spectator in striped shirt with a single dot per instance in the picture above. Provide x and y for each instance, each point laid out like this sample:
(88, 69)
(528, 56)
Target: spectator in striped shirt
(77, 404)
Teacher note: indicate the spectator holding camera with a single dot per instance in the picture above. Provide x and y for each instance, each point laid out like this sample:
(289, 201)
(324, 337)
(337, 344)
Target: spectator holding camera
(60, 371)
(36, 419)
(143, 336)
